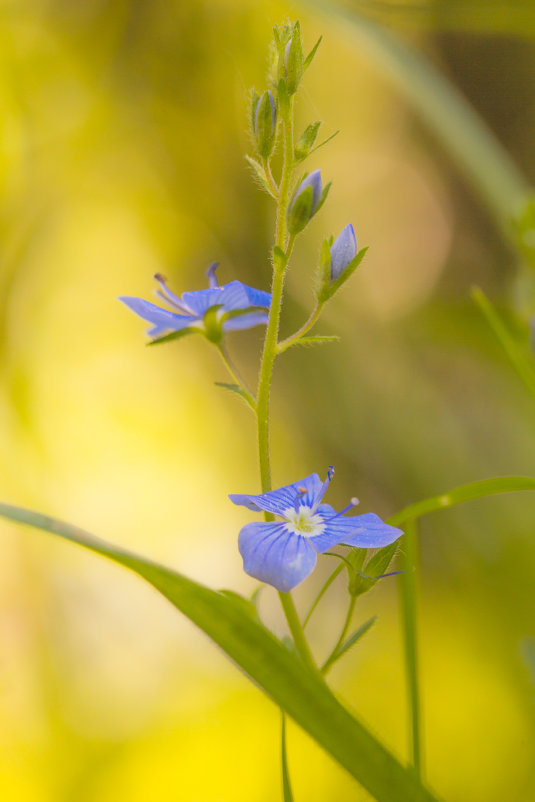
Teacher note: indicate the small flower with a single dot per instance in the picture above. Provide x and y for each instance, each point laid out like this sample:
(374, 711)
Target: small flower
(307, 200)
(343, 251)
(210, 312)
(284, 553)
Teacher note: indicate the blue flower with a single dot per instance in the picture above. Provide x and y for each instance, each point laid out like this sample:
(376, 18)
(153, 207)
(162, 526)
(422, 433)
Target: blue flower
(343, 251)
(284, 553)
(210, 312)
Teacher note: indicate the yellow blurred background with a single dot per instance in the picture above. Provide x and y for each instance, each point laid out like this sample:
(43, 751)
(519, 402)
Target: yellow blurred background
(122, 154)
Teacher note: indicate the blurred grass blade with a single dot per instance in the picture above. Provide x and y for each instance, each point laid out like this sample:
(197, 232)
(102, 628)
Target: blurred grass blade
(286, 787)
(469, 492)
(409, 552)
(474, 16)
(520, 359)
(276, 670)
(455, 123)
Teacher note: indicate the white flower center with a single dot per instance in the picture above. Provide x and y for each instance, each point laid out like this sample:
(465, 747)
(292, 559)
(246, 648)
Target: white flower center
(304, 522)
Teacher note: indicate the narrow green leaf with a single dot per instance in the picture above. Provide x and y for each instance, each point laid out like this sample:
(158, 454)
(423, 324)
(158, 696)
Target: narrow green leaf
(279, 258)
(520, 359)
(315, 339)
(469, 492)
(278, 672)
(324, 142)
(309, 58)
(232, 388)
(247, 606)
(356, 636)
(260, 175)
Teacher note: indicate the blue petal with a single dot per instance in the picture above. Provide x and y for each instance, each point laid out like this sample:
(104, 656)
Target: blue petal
(343, 251)
(201, 300)
(366, 531)
(273, 554)
(312, 180)
(277, 501)
(246, 321)
(162, 319)
(257, 297)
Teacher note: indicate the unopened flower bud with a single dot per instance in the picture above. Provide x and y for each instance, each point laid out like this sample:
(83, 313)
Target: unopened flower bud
(343, 251)
(264, 123)
(339, 259)
(294, 60)
(307, 199)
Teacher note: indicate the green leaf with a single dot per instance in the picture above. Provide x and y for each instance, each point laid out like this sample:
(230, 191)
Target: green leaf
(469, 492)
(309, 58)
(260, 175)
(306, 141)
(232, 388)
(519, 357)
(278, 672)
(247, 606)
(316, 339)
(356, 636)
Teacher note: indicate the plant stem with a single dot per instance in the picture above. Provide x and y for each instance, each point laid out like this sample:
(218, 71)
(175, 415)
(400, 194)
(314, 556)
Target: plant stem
(233, 370)
(297, 630)
(408, 606)
(285, 243)
(289, 341)
(347, 623)
(270, 342)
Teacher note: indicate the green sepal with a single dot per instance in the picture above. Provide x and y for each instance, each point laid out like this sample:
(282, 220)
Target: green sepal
(323, 197)
(306, 141)
(213, 325)
(327, 287)
(301, 211)
(260, 175)
(362, 581)
(175, 335)
(294, 64)
(232, 313)
(255, 97)
(309, 58)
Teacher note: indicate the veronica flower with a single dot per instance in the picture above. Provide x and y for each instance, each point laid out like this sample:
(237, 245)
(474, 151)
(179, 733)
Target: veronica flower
(283, 553)
(210, 312)
(307, 200)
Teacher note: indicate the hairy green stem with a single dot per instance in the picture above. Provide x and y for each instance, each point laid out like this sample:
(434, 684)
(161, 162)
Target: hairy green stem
(408, 611)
